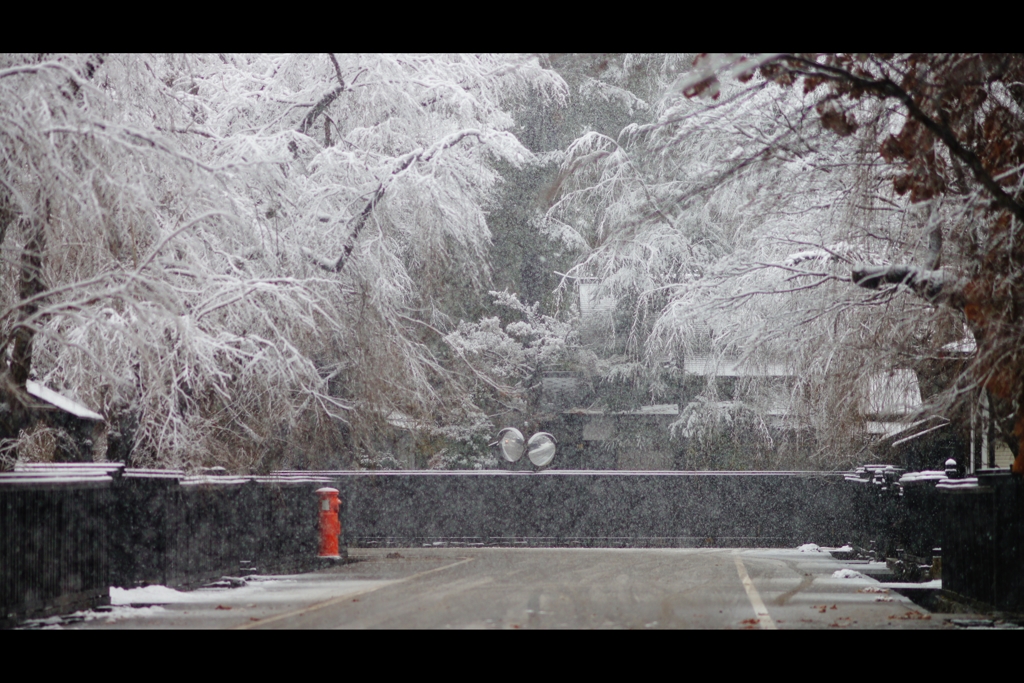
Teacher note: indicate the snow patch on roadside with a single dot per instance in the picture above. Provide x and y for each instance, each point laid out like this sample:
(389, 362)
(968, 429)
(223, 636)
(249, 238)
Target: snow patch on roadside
(151, 595)
(935, 584)
(847, 574)
(120, 612)
(109, 615)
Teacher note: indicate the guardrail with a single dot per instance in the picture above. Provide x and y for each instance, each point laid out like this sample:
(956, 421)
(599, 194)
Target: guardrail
(594, 508)
(974, 524)
(46, 520)
(983, 555)
(897, 513)
(68, 532)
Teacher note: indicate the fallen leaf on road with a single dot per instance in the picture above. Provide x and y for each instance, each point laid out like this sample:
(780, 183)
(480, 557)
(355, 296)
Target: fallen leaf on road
(910, 615)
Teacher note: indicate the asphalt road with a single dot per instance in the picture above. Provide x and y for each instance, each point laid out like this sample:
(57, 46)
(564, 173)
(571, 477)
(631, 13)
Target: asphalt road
(541, 588)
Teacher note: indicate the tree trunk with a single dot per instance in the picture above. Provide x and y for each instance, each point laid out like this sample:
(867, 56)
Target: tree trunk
(16, 413)
(30, 284)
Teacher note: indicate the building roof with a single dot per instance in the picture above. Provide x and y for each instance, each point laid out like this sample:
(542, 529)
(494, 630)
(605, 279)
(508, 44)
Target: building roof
(60, 401)
(707, 364)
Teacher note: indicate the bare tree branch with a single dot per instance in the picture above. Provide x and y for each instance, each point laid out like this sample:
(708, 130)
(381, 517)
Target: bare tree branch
(887, 88)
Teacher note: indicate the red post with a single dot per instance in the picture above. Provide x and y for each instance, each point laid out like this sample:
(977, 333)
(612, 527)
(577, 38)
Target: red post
(330, 522)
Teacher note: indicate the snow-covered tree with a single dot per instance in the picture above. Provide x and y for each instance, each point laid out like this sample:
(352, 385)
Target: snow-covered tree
(249, 260)
(756, 208)
(951, 145)
(729, 226)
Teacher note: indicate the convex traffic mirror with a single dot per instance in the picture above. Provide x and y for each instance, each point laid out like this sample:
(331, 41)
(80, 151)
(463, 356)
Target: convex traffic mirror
(540, 448)
(512, 443)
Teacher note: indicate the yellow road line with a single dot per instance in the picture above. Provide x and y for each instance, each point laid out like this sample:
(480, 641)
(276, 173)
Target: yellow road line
(760, 610)
(345, 598)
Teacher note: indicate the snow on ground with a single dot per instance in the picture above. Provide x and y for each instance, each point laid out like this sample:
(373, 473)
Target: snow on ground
(110, 615)
(162, 595)
(815, 548)
(118, 613)
(269, 593)
(847, 574)
(150, 595)
(934, 583)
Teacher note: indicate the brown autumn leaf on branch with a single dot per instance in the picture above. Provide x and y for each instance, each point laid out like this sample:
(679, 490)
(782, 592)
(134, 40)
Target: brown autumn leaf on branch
(962, 141)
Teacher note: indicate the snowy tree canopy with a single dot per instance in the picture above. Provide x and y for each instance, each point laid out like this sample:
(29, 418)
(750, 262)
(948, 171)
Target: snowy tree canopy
(249, 260)
(259, 261)
(738, 219)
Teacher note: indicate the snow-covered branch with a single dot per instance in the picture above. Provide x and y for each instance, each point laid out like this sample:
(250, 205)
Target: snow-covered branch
(182, 211)
(933, 285)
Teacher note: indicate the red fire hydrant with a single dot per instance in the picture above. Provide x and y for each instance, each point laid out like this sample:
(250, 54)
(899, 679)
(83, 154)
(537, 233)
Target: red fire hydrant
(330, 522)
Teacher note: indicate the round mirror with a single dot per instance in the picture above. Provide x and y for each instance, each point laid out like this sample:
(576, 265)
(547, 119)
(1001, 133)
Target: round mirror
(512, 443)
(542, 449)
